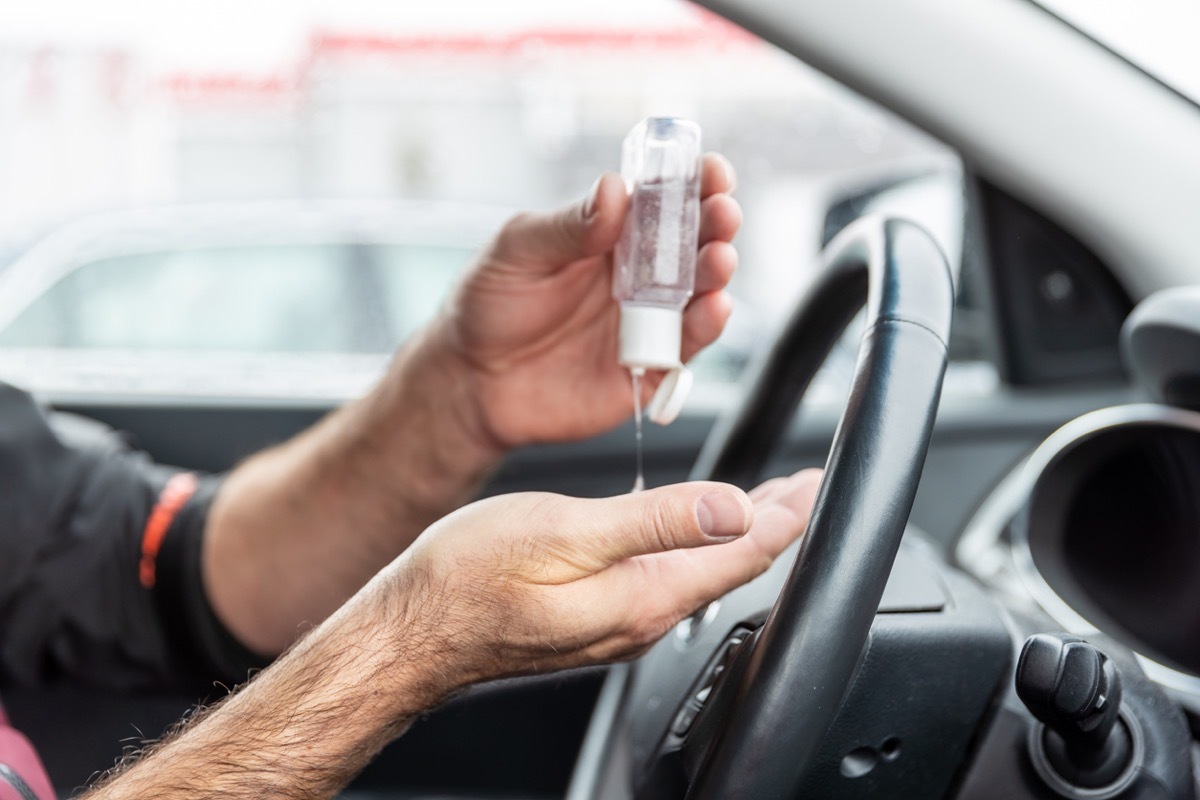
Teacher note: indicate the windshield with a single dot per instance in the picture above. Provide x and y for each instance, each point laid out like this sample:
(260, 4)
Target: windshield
(1158, 36)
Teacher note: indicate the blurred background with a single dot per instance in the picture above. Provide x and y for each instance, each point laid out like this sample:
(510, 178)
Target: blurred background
(284, 191)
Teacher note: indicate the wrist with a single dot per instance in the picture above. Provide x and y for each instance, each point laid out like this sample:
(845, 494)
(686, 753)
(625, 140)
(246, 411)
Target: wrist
(378, 654)
(298, 529)
(422, 430)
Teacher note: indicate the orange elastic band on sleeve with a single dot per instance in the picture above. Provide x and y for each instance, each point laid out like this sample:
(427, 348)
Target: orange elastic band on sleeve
(177, 492)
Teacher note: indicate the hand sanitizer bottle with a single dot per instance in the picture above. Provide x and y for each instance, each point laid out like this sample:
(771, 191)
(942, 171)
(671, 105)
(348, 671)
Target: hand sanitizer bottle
(654, 266)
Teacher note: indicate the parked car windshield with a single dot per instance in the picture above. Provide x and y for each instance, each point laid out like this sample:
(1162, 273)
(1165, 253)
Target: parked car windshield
(262, 298)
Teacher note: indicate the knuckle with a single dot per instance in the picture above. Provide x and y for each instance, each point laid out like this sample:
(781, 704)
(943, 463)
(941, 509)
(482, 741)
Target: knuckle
(507, 241)
(564, 229)
(812, 475)
(664, 526)
(551, 511)
(515, 224)
(759, 565)
(648, 630)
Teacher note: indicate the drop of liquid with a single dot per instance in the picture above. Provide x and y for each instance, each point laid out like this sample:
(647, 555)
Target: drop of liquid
(635, 374)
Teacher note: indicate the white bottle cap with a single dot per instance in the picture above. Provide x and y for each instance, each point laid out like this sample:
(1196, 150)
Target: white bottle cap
(650, 336)
(668, 399)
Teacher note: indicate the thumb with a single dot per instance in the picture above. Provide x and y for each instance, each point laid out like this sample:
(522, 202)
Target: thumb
(545, 242)
(671, 517)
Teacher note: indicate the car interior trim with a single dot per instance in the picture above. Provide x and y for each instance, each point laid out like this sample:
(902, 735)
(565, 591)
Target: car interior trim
(593, 752)
(1185, 685)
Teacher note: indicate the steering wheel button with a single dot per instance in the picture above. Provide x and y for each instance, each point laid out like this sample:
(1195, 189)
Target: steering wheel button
(708, 680)
(684, 719)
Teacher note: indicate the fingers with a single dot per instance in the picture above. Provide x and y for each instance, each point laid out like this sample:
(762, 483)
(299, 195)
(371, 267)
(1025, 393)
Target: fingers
(768, 490)
(653, 592)
(720, 218)
(717, 175)
(547, 242)
(716, 263)
(703, 321)
(703, 575)
(715, 266)
(782, 507)
(594, 534)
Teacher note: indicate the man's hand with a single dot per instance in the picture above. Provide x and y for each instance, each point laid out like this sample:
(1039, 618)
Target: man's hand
(534, 325)
(525, 352)
(515, 584)
(538, 582)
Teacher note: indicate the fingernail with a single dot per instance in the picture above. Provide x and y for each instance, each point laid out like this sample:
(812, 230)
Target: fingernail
(589, 205)
(721, 515)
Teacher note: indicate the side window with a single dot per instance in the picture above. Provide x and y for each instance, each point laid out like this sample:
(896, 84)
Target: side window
(249, 299)
(416, 279)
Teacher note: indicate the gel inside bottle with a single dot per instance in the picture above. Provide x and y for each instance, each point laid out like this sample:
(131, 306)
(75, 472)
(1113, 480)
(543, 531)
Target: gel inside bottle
(655, 259)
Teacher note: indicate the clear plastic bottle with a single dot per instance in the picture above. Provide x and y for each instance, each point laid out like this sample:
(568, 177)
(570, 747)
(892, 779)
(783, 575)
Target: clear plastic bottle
(654, 266)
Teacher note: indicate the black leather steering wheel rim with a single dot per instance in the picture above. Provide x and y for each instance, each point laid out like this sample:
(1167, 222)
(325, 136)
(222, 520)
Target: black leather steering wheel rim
(808, 649)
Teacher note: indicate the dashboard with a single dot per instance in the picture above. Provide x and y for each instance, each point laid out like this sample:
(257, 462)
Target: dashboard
(1100, 529)
(1112, 528)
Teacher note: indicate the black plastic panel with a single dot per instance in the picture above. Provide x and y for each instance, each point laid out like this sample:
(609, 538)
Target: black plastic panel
(1058, 307)
(920, 696)
(923, 691)
(1114, 528)
(1004, 771)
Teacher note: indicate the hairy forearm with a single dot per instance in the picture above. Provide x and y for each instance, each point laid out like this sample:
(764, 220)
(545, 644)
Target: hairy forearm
(305, 726)
(298, 529)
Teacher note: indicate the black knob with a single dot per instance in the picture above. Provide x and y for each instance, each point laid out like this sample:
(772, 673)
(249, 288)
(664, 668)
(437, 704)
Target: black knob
(1069, 685)
(1075, 690)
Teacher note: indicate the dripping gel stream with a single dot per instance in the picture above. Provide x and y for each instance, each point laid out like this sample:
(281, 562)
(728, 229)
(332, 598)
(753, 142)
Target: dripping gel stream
(635, 374)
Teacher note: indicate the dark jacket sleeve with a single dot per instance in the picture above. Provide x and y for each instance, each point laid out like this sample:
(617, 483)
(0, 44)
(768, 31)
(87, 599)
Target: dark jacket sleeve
(74, 602)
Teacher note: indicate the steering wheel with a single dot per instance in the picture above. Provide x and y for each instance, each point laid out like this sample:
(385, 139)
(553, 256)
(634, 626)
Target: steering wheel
(765, 698)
